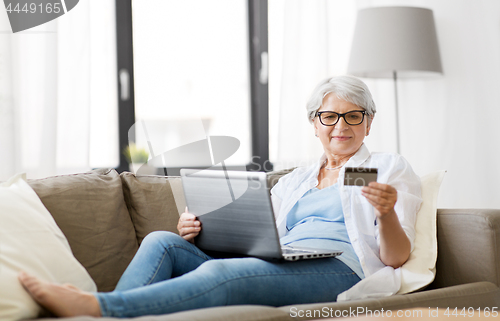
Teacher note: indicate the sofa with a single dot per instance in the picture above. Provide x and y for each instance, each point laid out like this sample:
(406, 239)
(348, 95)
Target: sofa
(105, 216)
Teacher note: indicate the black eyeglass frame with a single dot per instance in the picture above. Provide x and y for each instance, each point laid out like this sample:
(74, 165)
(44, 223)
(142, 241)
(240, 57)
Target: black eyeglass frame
(318, 114)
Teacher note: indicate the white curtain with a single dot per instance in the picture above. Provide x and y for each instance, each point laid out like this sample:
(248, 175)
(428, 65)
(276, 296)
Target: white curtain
(300, 55)
(58, 96)
(449, 122)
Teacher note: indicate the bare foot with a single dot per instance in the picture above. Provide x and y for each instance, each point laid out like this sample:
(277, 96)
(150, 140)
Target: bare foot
(62, 300)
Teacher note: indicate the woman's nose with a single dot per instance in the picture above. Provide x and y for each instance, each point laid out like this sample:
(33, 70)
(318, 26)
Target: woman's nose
(341, 124)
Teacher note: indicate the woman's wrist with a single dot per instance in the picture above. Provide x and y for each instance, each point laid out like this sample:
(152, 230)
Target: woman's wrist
(394, 243)
(388, 216)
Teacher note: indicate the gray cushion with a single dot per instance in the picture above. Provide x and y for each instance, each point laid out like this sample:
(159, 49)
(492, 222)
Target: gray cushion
(154, 202)
(90, 210)
(468, 246)
(273, 177)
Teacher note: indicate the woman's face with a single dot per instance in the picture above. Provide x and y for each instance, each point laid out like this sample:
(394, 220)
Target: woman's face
(340, 139)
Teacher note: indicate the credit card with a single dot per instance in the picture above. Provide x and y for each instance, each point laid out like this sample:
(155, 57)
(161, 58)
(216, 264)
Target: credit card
(360, 176)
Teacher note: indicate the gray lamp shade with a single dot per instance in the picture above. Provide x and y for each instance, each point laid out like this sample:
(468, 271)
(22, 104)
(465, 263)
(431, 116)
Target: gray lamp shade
(401, 39)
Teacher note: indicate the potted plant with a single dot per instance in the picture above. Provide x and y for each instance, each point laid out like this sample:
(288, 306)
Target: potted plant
(137, 158)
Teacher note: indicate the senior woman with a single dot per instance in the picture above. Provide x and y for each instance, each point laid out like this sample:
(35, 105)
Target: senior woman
(374, 226)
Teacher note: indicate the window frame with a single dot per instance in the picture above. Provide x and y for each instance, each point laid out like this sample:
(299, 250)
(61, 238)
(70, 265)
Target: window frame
(125, 63)
(259, 88)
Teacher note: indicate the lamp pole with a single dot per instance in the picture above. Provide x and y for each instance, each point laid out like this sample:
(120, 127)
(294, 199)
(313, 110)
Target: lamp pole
(395, 77)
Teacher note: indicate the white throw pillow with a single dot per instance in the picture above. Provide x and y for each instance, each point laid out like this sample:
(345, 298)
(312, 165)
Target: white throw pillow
(30, 240)
(420, 269)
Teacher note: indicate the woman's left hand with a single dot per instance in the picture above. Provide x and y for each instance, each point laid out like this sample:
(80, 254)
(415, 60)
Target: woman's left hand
(382, 196)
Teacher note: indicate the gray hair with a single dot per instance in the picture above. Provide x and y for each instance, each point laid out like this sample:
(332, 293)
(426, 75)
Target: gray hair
(348, 88)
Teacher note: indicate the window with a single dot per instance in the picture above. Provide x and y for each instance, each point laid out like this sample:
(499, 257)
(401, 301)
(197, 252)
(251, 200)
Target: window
(191, 73)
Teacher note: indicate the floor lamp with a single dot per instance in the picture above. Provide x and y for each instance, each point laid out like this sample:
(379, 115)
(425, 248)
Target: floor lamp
(395, 42)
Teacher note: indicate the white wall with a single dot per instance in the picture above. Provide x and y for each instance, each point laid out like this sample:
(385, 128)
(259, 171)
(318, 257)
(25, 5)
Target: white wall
(446, 123)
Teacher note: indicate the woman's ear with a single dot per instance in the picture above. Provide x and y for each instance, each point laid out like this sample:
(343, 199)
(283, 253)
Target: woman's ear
(315, 127)
(369, 124)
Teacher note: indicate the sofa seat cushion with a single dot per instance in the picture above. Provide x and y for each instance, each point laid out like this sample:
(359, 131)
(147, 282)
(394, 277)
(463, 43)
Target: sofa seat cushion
(90, 210)
(154, 202)
(473, 295)
(225, 313)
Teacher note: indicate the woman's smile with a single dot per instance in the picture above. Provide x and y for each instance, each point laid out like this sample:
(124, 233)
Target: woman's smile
(341, 138)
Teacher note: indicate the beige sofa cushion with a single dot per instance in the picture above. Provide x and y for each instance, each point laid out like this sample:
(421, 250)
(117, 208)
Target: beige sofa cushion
(273, 177)
(90, 210)
(154, 202)
(468, 247)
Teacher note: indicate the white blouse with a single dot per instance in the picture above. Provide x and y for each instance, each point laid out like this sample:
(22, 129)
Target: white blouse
(360, 220)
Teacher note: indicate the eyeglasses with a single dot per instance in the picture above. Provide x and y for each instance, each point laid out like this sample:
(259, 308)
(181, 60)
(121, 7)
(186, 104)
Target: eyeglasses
(330, 118)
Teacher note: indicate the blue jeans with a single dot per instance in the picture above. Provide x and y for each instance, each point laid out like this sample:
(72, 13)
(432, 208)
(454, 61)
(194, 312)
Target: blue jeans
(169, 274)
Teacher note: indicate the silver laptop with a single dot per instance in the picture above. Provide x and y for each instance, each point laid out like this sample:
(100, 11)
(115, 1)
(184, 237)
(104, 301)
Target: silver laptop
(236, 215)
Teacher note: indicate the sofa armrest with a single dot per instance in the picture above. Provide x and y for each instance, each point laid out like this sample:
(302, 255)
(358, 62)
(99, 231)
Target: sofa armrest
(468, 246)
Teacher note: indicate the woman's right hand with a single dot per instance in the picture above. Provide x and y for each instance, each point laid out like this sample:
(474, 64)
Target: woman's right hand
(188, 226)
